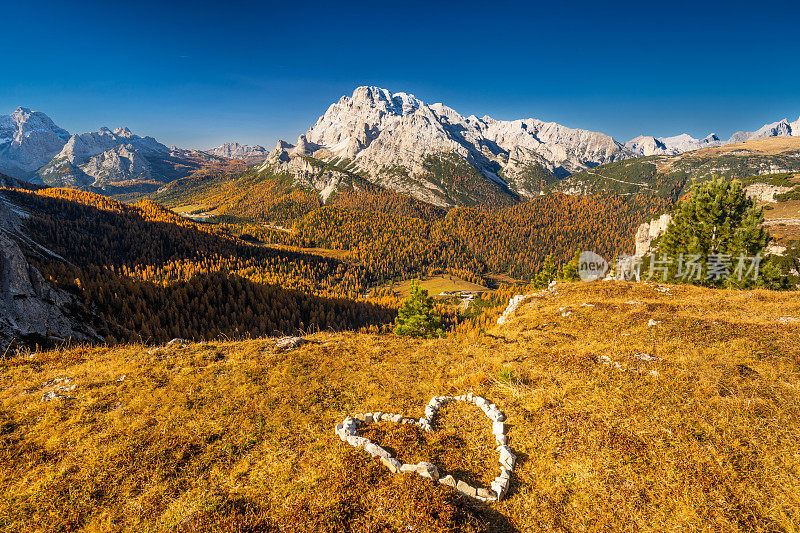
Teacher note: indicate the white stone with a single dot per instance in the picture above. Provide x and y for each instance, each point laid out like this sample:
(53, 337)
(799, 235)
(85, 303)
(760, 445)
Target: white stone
(507, 459)
(498, 429)
(376, 451)
(428, 470)
(392, 464)
(448, 480)
(356, 441)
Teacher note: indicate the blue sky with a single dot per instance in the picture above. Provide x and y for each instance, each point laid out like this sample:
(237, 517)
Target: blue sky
(198, 73)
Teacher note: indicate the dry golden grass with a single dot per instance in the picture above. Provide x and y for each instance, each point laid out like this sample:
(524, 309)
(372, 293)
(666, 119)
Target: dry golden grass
(235, 437)
(437, 284)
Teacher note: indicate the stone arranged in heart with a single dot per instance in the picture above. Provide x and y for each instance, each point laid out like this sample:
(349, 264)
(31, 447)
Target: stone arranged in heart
(348, 432)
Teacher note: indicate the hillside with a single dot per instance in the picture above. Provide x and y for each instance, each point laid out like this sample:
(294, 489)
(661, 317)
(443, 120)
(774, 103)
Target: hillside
(397, 236)
(142, 273)
(701, 432)
(668, 176)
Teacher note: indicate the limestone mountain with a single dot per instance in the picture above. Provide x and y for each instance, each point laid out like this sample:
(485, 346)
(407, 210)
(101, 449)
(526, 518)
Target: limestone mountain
(647, 145)
(28, 140)
(398, 141)
(33, 148)
(782, 128)
(245, 152)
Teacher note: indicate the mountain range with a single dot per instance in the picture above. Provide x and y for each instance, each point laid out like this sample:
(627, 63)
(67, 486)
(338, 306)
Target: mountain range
(35, 149)
(394, 140)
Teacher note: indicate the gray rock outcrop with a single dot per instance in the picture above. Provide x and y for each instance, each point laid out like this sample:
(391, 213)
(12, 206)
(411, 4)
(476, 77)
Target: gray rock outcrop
(31, 310)
(649, 231)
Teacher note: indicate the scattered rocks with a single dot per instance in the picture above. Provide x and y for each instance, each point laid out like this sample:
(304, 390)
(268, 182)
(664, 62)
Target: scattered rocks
(55, 395)
(646, 357)
(513, 304)
(178, 341)
(285, 344)
(606, 360)
(347, 431)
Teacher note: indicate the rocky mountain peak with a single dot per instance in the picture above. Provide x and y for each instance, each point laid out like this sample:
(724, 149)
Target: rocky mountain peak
(379, 130)
(234, 150)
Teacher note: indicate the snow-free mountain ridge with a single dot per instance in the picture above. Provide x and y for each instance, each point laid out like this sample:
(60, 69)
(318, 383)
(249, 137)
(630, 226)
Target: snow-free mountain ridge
(234, 150)
(35, 149)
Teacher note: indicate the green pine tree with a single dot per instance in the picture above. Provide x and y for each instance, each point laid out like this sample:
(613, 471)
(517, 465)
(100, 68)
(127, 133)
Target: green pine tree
(548, 272)
(717, 220)
(416, 318)
(569, 272)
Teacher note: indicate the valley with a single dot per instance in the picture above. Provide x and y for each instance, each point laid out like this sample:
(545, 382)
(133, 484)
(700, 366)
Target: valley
(182, 328)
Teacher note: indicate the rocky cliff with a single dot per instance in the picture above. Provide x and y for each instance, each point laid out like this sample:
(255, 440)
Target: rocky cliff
(649, 231)
(32, 311)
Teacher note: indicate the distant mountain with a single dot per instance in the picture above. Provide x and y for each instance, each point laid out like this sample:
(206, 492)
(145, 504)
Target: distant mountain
(28, 140)
(783, 128)
(245, 152)
(33, 148)
(402, 143)
(102, 157)
(644, 145)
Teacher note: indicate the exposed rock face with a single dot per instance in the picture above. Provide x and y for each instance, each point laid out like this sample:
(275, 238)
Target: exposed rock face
(33, 148)
(245, 152)
(101, 157)
(782, 128)
(390, 135)
(644, 145)
(764, 192)
(28, 140)
(649, 231)
(31, 310)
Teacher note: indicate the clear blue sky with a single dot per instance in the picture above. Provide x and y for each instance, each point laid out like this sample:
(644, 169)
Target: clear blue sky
(198, 73)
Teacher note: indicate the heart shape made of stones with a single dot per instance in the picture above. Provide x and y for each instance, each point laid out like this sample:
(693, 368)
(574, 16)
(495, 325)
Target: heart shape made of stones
(348, 432)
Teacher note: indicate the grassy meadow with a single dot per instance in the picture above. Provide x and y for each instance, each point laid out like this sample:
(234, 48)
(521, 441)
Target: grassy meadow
(703, 434)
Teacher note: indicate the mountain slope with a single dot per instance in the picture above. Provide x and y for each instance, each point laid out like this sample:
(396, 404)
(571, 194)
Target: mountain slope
(238, 436)
(28, 140)
(668, 176)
